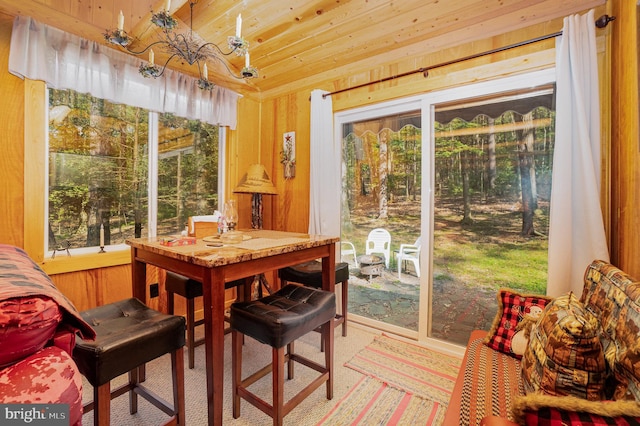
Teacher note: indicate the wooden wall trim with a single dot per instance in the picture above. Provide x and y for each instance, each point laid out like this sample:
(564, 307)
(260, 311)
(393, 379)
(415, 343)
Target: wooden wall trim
(35, 144)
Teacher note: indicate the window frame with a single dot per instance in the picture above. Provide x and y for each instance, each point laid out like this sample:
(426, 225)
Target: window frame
(426, 103)
(36, 190)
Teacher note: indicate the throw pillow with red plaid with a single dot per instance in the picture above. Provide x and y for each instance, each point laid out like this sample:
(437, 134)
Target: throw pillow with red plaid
(513, 308)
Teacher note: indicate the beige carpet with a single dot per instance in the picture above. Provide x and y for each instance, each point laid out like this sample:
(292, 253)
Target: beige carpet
(256, 355)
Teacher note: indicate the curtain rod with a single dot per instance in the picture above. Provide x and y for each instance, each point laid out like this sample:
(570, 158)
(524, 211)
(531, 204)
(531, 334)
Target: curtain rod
(601, 22)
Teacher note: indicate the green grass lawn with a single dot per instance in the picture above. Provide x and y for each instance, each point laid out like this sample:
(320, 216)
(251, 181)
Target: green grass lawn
(488, 252)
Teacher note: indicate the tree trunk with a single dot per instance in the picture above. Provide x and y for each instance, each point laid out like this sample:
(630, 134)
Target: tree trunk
(346, 210)
(179, 197)
(527, 174)
(138, 186)
(100, 198)
(491, 154)
(382, 172)
(466, 190)
(414, 173)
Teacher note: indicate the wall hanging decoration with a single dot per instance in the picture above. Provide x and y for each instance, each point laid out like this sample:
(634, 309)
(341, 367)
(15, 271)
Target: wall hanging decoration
(288, 154)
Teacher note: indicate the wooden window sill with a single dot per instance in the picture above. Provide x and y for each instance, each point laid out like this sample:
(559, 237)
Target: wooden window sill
(63, 263)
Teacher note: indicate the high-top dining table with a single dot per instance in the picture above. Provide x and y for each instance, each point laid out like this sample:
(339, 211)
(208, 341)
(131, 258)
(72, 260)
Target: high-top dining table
(260, 251)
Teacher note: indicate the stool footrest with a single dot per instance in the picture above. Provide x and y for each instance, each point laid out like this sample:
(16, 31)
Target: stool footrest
(308, 390)
(267, 408)
(258, 375)
(309, 363)
(199, 342)
(121, 390)
(256, 401)
(154, 399)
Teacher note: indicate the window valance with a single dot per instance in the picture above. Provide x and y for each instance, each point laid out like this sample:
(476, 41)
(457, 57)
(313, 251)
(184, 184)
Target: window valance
(66, 61)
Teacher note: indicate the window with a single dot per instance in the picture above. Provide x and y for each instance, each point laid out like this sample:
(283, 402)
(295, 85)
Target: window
(118, 172)
(461, 180)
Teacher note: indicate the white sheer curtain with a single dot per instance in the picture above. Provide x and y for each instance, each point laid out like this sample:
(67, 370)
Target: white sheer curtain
(576, 235)
(65, 61)
(326, 160)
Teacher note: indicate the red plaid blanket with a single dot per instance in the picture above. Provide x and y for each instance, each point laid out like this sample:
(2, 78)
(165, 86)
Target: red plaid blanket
(20, 276)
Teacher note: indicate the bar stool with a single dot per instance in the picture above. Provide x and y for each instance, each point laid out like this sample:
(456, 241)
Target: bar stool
(310, 274)
(190, 289)
(277, 320)
(128, 335)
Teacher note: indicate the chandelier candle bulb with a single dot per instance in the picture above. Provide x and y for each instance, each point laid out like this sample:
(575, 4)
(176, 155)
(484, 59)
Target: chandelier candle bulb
(238, 25)
(152, 57)
(246, 59)
(205, 72)
(168, 6)
(120, 21)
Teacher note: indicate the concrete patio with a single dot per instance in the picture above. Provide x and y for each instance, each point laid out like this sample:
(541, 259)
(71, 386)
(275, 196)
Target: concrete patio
(457, 308)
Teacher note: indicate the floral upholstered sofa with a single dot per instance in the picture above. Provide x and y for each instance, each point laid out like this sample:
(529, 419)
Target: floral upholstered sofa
(38, 325)
(568, 360)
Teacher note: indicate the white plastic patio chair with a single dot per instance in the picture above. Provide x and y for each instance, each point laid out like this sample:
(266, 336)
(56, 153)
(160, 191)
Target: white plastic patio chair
(409, 253)
(348, 249)
(379, 242)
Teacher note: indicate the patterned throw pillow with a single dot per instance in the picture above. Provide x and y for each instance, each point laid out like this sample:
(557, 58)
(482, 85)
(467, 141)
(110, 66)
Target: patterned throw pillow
(614, 297)
(564, 355)
(513, 310)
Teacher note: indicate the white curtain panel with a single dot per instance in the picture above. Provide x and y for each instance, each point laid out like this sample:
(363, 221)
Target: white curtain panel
(324, 194)
(65, 61)
(576, 235)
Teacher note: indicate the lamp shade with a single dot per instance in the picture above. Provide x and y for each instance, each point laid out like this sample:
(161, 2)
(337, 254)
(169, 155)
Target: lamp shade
(256, 181)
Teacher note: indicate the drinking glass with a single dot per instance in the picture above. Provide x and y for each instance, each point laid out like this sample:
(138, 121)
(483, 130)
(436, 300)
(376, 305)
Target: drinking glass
(231, 214)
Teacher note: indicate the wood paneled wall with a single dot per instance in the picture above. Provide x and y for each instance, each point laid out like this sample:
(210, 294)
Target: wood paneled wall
(288, 113)
(288, 108)
(625, 132)
(12, 145)
(263, 121)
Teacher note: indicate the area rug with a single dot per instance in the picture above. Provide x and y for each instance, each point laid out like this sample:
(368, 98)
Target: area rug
(404, 383)
(372, 402)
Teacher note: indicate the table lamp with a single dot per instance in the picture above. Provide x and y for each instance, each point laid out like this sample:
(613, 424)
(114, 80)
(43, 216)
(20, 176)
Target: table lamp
(257, 182)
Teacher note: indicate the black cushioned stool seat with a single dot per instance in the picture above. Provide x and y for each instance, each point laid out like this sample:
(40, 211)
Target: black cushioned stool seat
(310, 274)
(277, 320)
(128, 335)
(189, 289)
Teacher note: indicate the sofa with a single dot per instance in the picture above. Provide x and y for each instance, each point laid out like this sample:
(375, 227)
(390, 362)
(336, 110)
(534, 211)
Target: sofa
(573, 359)
(38, 327)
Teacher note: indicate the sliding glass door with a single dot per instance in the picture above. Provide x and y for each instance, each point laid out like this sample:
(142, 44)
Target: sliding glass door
(381, 213)
(465, 204)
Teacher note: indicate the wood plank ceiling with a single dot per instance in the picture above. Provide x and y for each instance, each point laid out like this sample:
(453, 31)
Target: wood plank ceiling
(293, 39)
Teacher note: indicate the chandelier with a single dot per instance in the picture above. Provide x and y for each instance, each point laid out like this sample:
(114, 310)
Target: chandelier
(184, 46)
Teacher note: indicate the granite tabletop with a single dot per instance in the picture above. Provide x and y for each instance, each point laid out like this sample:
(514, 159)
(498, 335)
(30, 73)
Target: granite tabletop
(211, 251)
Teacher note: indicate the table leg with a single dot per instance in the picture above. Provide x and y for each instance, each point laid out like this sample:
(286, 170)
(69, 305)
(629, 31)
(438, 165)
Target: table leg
(329, 270)
(329, 284)
(213, 306)
(138, 277)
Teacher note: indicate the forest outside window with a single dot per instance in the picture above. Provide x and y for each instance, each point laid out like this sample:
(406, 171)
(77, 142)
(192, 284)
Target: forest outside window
(133, 172)
(467, 171)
